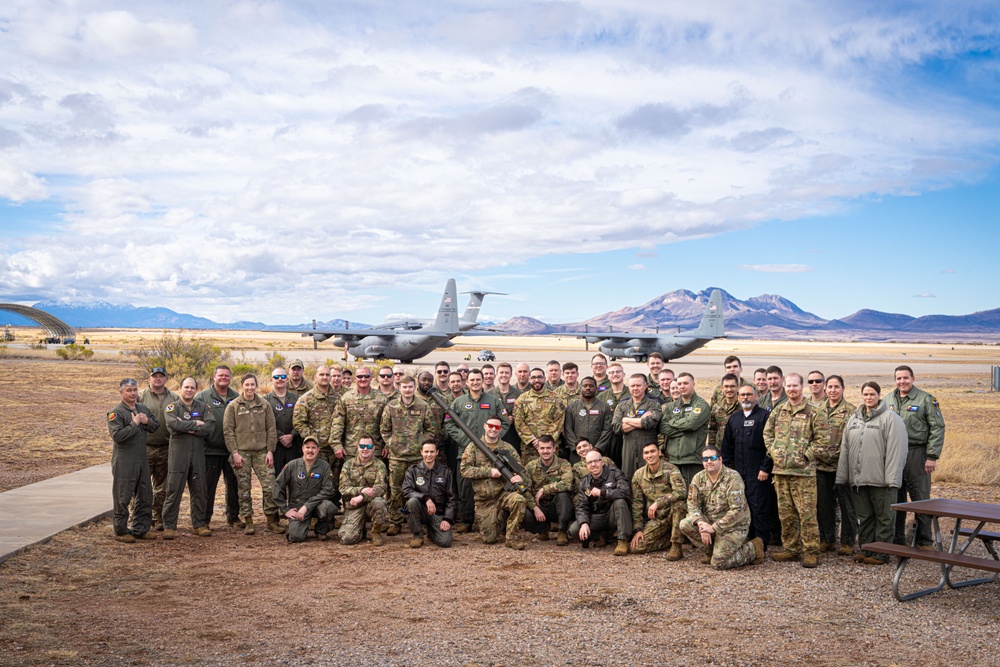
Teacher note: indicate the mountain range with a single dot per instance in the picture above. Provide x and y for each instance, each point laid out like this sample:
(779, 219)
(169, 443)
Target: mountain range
(764, 316)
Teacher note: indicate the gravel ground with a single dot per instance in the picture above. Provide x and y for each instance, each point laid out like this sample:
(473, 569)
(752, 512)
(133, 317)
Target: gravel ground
(83, 599)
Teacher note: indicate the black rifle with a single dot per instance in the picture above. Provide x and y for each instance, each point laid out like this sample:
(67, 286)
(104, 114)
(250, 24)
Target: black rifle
(508, 467)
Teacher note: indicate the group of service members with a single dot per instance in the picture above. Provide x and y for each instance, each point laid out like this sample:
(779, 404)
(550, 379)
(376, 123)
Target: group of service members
(642, 461)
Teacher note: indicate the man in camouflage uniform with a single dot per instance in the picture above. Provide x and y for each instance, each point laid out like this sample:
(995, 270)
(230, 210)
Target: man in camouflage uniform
(363, 485)
(570, 388)
(921, 414)
(406, 422)
(794, 432)
(553, 375)
(493, 501)
(297, 382)
(312, 416)
(684, 428)
(636, 419)
(157, 397)
(658, 505)
(474, 407)
(816, 382)
(828, 493)
(586, 417)
(733, 366)
(775, 394)
(718, 515)
(425, 385)
(551, 482)
(129, 423)
(540, 411)
(303, 490)
(357, 413)
(723, 408)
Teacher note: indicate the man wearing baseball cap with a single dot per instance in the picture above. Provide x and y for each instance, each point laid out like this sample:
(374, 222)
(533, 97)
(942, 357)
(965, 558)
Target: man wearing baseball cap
(157, 397)
(297, 383)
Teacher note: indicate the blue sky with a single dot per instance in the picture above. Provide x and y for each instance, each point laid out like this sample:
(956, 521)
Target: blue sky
(284, 161)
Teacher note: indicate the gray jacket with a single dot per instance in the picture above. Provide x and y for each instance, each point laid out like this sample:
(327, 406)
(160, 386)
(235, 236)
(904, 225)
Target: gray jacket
(873, 449)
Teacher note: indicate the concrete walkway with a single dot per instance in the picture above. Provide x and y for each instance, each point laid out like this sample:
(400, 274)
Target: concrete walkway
(34, 513)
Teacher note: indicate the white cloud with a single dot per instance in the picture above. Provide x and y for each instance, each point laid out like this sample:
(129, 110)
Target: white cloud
(230, 143)
(636, 267)
(776, 268)
(925, 295)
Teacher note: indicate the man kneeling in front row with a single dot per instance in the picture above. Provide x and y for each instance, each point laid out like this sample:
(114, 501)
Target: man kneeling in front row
(602, 504)
(429, 497)
(304, 490)
(719, 516)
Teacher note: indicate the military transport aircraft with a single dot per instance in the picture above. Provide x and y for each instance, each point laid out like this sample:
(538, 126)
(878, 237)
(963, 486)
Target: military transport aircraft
(408, 340)
(626, 345)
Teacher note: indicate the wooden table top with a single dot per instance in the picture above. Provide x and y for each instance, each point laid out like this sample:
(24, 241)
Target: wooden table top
(959, 509)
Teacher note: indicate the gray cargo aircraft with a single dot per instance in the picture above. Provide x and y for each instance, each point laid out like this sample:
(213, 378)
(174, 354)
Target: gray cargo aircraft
(672, 346)
(408, 340)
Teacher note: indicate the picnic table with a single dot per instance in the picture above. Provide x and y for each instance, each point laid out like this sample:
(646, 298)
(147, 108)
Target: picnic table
(953, 556)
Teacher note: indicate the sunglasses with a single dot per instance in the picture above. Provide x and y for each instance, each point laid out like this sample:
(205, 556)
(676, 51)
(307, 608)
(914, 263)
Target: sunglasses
(493, 428)
(385, 375)
(279, 377)
(362, 377)
(368, 446)
(398, 373)
(706, 459)
(442, 372)
(815, 381)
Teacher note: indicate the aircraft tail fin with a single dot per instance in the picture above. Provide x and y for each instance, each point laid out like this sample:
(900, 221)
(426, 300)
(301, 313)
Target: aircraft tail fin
(470, 318)
(712, 322)
(447, 315)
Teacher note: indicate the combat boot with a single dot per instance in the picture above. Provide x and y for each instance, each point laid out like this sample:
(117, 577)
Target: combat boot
(562, 538)
(201, 531)
(248, 527)
(377, 539)
(146, 536)
(394, 530)
(825, 546)
(602, 540)
(621, 549)
(417, 542)
(859, 557)
(871, 560)
(514, 543)
(275, 527)
(706, 558)
(125, 539)
(784, 556)
(543, 537)
(237, 524)
(169, 534)
(675, 552)
(322, 537)
(758, 550)
(845, 550)
(460, 529)
(810, 560)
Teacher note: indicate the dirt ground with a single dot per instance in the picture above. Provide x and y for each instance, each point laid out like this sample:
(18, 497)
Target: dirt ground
(82, 599)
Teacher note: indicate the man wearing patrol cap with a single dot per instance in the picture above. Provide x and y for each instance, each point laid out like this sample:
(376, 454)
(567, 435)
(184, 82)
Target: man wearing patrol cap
(303, 490)
(157, 397)
(297, 383)
(129, 423)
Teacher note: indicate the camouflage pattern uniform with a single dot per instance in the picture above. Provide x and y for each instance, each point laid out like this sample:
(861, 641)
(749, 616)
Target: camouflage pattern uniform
(301, 388)
(474, 412)
(723, 504)
(718, 396)
(130, 469)
(507, 401)
(353, 478)
(684, 429)
(355, 415)
(567, 394)
(792, 435)
(587, 420)
(295, 486)
(556, 484)
(718, 416)
(828, 493)
(768, 404)
(157, 447)
(492, 500)
(666, 488)
(612, 399)
(921, 414)
(538, 413)
(403, 428)
(648, 410)
(250, 431)
(437, 415)
(312, 417)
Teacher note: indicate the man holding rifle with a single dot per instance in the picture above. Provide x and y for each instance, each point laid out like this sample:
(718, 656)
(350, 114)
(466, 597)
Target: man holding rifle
(496, 494)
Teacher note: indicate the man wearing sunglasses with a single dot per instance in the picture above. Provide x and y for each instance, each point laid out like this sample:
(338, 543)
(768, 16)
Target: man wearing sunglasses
(363, 485)
(718, 515)
(442, 370)
(386, 385)
(282, 403)
(494, 503)
(357, 413)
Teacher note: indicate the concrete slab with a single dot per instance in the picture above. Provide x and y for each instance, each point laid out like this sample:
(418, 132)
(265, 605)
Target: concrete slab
(32, 514)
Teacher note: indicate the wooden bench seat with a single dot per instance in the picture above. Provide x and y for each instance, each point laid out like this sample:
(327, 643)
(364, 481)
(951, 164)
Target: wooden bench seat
(984, 535)
(934, 556)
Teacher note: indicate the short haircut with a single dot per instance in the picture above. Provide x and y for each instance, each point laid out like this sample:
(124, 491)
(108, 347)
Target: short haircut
(475, 371)
(553, 362)
(547, 439)
(795, 375)
(904, 368)
(760, 370)
(712, 448)
(423, 373)
(192, 380)
(873, 385)
(811, 372)
(222, 367)
(407, 379)
(638, 376)
(454, 374)
(685, 374)
(586, 440)
(651, 444)
(654, 355)
(599, 356)
(536, 368)
(443, 363)
(429, 441)
(485, 366)
(504, 364)
(837, 378)
(570, 366)
(774, 369)
(365, 436)
(588, 377)
(730, 359)
(668, 370)
(730, 376)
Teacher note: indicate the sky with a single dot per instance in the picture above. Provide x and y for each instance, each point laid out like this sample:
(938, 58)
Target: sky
(283, 161)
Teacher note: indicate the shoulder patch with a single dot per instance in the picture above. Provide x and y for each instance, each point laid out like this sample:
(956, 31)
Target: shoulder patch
(934, 402)
(697, 411)
(170, 408)
(112, 416)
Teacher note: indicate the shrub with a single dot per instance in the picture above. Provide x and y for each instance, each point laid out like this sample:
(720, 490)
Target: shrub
(275, 359)
(74, 351)
(181, 356)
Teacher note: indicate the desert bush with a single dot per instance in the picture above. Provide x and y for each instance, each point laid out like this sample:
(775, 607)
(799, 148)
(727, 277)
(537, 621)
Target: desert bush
(74, 351)
(180, 356)
(967, 459)
(275, 359)
(39, 346)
